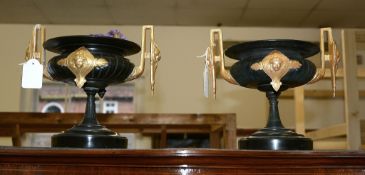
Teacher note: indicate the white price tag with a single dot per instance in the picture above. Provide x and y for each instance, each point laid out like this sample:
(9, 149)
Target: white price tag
(32, 74)
(206, 82)
(206, 72)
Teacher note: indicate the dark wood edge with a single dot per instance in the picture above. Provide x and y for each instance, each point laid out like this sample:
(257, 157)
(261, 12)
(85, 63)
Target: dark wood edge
(4, 150)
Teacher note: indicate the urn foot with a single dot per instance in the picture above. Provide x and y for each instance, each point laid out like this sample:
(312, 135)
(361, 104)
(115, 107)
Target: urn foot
(89, 137)
(275, 139)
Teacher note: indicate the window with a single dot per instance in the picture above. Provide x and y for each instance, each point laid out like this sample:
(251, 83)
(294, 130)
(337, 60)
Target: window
(97, 106)
(59, 97)
(110, 107)
(53, 107)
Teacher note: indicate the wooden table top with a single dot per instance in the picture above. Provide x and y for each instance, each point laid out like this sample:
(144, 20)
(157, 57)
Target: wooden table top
(173, 161)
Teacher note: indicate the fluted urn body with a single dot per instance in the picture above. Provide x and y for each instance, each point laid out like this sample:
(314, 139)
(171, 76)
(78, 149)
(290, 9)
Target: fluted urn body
(273, 66)
(91, 63)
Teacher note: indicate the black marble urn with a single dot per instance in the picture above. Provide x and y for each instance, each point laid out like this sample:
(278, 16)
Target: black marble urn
(273, 66)
(92, 63)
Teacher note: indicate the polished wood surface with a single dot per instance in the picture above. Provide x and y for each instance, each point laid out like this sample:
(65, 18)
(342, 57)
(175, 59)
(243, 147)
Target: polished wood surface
(44, 161)
(218, 126)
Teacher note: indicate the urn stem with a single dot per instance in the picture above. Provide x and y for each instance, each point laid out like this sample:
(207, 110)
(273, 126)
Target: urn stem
(274, 116)
(90, 113)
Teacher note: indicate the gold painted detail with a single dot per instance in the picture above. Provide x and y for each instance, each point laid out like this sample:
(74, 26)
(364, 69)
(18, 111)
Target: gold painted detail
(334, 59)
(155, 58)
(276, 65)
(81, 62)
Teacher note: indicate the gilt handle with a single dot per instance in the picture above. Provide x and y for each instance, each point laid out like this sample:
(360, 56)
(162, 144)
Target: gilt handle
(332, 55)
(154, 54)
(216, 45)
(35, 48)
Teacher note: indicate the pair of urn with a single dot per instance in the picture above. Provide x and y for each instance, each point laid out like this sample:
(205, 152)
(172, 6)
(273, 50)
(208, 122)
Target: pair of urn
(92, 62)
